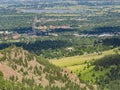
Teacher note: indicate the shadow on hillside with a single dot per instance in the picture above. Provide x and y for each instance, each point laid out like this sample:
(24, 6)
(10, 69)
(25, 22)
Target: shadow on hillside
(61, 30)
(37, 46)
(100, 30)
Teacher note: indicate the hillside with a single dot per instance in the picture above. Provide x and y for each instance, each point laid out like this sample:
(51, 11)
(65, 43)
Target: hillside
(79, 60)
(102, 69)
(18, 65)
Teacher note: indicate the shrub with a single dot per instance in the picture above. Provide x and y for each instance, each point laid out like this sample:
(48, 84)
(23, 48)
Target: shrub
(1, 74)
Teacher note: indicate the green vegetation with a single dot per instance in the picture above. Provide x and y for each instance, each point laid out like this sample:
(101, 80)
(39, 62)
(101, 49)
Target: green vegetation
(58, 47)
(30, 68)
(89, 47)
(88, 16)
(95, 69)
(79, 60)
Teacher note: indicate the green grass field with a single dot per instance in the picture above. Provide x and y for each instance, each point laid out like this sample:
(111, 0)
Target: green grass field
(75, 61)
(79, 65)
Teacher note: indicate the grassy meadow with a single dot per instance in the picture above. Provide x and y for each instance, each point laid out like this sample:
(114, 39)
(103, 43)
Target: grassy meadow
(71, 62)
(81, 65)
